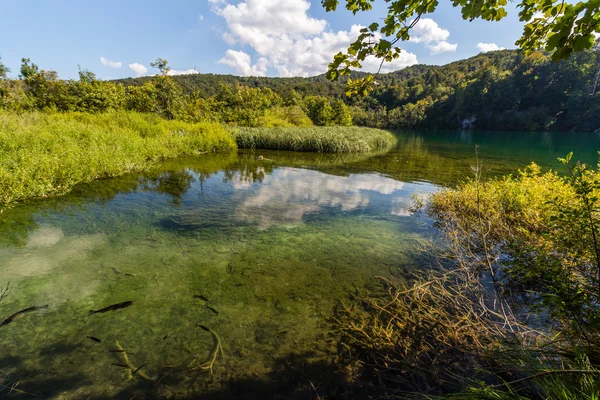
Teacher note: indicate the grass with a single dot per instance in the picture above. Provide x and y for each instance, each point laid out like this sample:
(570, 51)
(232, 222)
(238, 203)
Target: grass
(330, 139)
(43, 155)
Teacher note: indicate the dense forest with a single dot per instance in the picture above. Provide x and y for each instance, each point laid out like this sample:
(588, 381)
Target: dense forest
(501, 90)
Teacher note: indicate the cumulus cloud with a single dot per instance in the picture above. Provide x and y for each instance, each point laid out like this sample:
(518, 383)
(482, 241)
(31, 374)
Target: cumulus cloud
(242, 63)
(286, 39)
(139, 69)
(485, 47)
(442, 47)
(200, 17)
(183, 72)
(434, 37)
(427, 30)
(108, 63)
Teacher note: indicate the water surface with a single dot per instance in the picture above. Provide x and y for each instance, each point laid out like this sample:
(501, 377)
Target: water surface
(259, 252)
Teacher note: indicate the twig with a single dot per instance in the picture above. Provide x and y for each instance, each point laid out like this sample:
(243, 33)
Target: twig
(132, 368)
(216, 350)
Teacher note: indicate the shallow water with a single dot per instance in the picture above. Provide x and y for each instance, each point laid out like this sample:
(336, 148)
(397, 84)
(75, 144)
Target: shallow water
(273, 246)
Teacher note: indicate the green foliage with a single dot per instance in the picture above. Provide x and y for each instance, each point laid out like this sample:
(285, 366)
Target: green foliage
(243, 105)
(561, 29)
(341, 113)
(319, 139)
(169, 100)
(44, 155)
(284, 117)
(319, 110)
(4, 70)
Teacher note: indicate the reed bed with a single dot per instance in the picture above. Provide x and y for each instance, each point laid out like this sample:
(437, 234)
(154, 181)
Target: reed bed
(43, 155)
(323, 139)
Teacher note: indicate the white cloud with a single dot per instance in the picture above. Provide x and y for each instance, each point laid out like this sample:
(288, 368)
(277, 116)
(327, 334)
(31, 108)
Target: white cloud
(241, 63)
(442, 47)
(427, 30)
(183, 72)
(139, 69)
(108, 63)
(485, 47)
(270, 17)
(200, 17)
(286, 39)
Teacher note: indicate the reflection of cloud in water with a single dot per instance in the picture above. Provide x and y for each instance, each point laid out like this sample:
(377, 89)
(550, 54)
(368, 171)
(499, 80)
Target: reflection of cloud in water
(45, 236)
(40, 259)
(401, 206)
(58, 262)
(289, 193)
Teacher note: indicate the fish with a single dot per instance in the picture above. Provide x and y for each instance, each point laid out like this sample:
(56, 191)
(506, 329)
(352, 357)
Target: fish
(212, 309)
(21, 313)
(113, 307)
(95, 339)
(199, 296)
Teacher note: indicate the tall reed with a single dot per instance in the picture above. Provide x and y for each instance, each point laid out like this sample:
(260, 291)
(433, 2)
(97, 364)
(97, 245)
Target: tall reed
(325, 139)
(43, 155)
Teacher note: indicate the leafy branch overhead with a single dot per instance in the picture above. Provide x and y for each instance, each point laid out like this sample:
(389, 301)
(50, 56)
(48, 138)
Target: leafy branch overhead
(554, 26)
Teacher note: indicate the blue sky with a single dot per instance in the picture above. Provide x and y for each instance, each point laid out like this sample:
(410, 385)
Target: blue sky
(118, 39)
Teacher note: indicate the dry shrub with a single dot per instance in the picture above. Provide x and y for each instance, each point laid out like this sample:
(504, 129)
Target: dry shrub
(430, 338)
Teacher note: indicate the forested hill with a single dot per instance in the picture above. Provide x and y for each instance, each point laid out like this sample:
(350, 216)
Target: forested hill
(207, 85)
(501, 90)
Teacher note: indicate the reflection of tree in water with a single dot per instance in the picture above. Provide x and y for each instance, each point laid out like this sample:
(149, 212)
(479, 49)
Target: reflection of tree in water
(248, 173)
(173, 183)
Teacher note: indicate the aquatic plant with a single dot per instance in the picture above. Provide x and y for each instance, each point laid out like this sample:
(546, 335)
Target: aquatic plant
(330, 139)
(44, 155)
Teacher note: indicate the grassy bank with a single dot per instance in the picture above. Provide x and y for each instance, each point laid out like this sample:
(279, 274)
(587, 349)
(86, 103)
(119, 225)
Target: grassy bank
(331, 139)
(43, 155)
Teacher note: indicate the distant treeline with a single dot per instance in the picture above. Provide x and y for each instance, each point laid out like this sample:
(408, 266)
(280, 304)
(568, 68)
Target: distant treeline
(500, 90)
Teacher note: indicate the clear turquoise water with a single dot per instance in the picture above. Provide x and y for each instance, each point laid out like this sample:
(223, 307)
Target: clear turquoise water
(273, 246)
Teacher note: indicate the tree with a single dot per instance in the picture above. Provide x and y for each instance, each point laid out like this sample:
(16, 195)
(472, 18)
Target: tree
(319, 110)
(162, 66)
(169, 95)
(555, 26)
(341, 113)
(4, 70)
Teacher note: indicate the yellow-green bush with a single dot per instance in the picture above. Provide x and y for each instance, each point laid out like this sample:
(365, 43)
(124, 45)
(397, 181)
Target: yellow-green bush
(284, 117)
(43, 155)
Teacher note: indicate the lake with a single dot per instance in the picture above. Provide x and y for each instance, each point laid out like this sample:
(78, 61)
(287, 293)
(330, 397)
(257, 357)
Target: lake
(232, 268)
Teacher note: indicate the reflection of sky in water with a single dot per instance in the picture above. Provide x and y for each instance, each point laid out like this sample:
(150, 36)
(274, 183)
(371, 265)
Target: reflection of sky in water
(288, 194)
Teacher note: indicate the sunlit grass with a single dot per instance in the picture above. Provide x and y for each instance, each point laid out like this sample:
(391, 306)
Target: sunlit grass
(334, 139)
(43, 155)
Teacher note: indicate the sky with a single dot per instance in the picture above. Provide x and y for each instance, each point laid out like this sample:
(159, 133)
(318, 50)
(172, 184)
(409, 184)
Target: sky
(119, 38)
